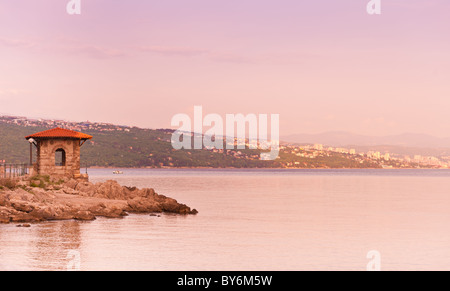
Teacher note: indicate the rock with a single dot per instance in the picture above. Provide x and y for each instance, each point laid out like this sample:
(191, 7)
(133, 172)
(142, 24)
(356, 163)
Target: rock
(22, 183)
(108, 212)
(114, 213)
(21, 206)
(4, 217)
(23, 217)
(72, 183)
(140, 204)
(84, 215)
(21, 195)
(83, 201)
(86, 188)
(41, 194)
(111, 190)
(172, 206)
(131, 189)
(4, 201)
(70, 191)
(146, 193)
(24, 225)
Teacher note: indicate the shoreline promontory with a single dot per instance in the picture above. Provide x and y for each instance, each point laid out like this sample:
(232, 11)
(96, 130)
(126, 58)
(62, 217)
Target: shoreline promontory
(43, 199)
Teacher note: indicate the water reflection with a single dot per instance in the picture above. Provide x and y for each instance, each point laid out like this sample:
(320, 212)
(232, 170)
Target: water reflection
(52, 242)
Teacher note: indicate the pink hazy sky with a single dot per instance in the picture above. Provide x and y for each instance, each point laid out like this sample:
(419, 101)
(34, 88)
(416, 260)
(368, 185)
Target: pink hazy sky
(322, 65)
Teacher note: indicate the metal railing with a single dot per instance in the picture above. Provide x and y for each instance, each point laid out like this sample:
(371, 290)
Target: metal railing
(13, 170)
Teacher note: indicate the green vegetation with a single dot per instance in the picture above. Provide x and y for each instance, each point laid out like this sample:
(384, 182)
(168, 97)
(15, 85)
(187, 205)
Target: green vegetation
(136, 147)
(43, 181)
(39, 181)
(13, 146)
(332, 161)
(152, 148)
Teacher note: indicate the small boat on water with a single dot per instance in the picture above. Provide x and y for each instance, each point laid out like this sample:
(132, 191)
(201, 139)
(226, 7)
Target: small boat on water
(117, 172)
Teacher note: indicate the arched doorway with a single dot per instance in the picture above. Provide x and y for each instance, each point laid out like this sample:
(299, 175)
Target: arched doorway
(60, 158)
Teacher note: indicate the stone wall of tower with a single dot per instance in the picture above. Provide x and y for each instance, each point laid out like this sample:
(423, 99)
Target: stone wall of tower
(46, 157)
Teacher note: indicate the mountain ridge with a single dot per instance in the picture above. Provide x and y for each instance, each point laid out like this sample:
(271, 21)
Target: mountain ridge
(343, 139)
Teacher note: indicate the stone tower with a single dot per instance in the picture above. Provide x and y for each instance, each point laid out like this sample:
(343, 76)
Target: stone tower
(58, 152)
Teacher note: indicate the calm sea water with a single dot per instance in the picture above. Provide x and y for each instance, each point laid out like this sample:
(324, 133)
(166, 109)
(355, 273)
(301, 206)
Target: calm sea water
(255, 220)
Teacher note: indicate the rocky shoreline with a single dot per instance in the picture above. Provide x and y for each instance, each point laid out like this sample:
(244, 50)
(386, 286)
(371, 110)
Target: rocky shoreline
(42, 199)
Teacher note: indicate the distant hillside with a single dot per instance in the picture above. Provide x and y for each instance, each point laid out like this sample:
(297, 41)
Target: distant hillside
(13, 146)
(134, 148)
(120, 146)
(402, 143)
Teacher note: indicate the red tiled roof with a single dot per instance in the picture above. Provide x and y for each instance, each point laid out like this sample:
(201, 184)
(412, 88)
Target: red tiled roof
(60, 132)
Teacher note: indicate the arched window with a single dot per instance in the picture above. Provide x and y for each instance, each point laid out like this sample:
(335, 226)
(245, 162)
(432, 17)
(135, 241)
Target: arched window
(60, 158)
